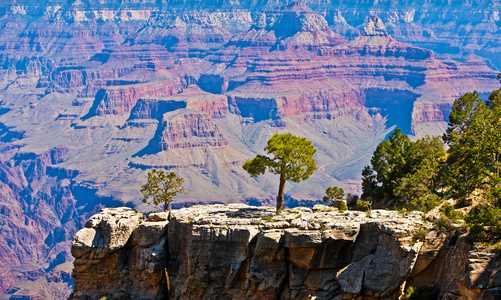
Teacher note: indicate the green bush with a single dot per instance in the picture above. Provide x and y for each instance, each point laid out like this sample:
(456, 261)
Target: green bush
(485, 223)
(364, 205)
(342, 206)
(422, 293)
(443, 224)
(449, 211)
(420, 234)
(497, 247)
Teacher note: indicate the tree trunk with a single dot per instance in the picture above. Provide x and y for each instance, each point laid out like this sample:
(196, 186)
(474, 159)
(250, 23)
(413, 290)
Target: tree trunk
(280, 197)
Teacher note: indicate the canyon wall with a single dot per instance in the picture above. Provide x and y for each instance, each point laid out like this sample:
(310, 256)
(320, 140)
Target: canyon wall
(244, 252)
(93, 94)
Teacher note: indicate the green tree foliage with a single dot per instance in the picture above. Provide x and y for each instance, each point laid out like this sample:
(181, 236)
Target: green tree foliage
(484, 221)
(405, 170)
(474, 139)
(388, 165)
(161, 188)
(334, 196)
(474, 161)
(291, 158)
(417, 188)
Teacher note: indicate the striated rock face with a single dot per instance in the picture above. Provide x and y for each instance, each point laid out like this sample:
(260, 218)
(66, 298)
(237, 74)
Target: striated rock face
(119, 100)
(189, 128)
(118, 253)
(216, 106)
(243, 252)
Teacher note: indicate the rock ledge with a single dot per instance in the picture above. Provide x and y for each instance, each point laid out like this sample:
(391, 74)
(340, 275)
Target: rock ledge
(243, 252)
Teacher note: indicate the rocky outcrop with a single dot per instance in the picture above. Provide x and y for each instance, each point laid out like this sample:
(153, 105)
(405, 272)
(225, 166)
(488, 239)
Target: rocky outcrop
(119, 100)
(244, 252)
(216, 106)
(374, 27)
(291, 27)
(120, 254)
(186, 128)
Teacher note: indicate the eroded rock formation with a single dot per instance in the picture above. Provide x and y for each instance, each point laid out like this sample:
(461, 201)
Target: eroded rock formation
(243, 252)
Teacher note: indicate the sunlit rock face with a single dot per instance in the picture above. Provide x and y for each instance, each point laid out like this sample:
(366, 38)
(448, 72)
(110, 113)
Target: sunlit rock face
(95, 93)
(244, 252)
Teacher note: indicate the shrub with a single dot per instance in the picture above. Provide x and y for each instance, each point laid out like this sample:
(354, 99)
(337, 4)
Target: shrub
(342, 206)
(409, 292)
(485, 223)
(497, 247)
(449, 211)
(422, 293)
(420, 234)
(364, 205)
(443, 224)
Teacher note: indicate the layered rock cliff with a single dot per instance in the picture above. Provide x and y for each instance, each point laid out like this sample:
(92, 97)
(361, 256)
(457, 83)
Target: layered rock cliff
(244, 252)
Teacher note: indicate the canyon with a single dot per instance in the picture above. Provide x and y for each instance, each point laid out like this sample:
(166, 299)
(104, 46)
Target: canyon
(93, 94)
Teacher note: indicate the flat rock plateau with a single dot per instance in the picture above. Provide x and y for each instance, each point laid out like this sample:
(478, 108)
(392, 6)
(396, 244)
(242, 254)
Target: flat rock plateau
(238, 251)
(94, 93)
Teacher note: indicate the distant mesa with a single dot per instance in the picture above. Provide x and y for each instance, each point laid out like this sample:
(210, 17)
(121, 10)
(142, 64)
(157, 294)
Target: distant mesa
(186, 128)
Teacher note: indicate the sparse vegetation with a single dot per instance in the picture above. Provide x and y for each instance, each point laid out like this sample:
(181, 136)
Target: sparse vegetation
(443, 224)
(449, 211)
(497, 247)
(268, 219)
(420, 234)
(292, 159)
(422, 293)
(162, 188)
(334, 196)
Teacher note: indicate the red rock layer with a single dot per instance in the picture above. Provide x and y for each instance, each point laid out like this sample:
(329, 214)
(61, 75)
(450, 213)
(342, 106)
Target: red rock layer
(120, 100)
(187, 129)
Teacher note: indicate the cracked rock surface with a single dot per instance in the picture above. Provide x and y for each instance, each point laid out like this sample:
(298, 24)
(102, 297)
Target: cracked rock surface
(238, 251)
